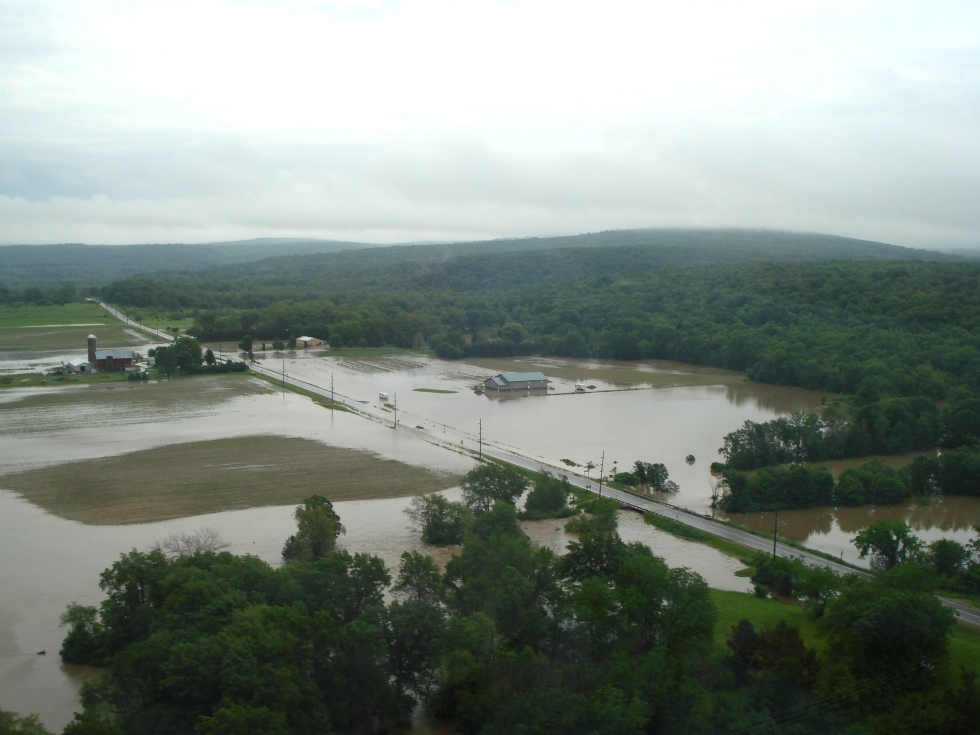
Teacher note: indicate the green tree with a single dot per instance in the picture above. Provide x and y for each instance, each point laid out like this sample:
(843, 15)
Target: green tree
(888, 543)
(441, 521)
(487, 483)
(502, 574)
(947, 557)
(548, 498)
(818, 587)
(415, 632)
(318, 527)
(11, 724)
(892, 628)
(419, 578)
(246, 345)
(85, 642)
(184, 354)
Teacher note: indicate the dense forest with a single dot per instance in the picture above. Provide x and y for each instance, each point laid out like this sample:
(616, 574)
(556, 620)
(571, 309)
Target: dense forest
(509, 638)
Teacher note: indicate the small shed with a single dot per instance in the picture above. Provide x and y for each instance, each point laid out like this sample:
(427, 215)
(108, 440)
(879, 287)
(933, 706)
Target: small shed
(517, 381)
(80, 366)
(306, 342)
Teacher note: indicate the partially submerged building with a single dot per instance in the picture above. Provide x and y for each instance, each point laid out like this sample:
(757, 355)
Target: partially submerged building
(103, 360)
(516, 381)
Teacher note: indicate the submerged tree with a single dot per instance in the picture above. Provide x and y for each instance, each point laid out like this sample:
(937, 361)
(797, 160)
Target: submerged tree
(486, 484)
(548, 498)
(441, 521)
(318, 527)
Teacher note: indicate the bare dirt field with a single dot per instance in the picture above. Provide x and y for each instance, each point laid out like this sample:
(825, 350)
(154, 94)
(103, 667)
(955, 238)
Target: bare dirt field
(189, 479)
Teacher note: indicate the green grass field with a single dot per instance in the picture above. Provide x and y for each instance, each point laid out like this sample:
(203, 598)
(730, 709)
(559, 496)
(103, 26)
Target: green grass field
(35, 330)
(159, 318)
(15, 316)
(964, 643)
(763, 612)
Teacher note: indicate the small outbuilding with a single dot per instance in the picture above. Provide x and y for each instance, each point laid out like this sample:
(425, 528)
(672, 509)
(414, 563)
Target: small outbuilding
(306, 342)
(516, 381)
(79, 366)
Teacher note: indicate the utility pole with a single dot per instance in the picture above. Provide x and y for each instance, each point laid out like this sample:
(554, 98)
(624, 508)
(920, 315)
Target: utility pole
(775, 529)
(395, 406)
(481, 439)
(602, 465)
(331, 388)
(284, 372)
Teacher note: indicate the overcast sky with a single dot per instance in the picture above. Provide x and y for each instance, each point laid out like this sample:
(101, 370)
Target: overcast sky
(131, 121)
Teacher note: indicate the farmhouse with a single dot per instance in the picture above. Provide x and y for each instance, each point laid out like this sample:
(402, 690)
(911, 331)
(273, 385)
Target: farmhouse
(516, 381)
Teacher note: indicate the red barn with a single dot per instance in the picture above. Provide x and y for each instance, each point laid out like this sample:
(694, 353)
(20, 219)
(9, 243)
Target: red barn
(110, 360)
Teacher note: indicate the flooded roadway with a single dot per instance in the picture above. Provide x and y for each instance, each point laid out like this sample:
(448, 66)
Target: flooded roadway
(654, 412)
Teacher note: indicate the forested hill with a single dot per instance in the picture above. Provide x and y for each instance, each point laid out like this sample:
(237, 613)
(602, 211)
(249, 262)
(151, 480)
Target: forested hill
(501, 264)
(87, 266)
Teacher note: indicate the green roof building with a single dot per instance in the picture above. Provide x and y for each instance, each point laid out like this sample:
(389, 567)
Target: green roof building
(516, 381)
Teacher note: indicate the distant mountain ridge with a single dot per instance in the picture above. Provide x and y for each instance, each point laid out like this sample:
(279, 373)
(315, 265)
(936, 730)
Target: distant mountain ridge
(94, 265)
(271, 260)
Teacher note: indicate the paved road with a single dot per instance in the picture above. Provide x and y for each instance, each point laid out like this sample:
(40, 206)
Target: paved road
(965, 613)
(164, 336)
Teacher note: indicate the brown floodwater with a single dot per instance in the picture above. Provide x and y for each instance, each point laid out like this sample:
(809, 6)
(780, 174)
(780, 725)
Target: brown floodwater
(654, 412)
(49, 562)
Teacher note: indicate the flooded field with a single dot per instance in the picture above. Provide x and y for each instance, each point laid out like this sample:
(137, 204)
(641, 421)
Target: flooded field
(651, 411)
(253, 451)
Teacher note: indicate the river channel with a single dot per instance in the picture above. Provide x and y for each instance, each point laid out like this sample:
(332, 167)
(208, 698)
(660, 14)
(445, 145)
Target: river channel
(654, 412)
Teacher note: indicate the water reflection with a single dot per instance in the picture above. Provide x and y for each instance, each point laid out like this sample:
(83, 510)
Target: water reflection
(832, 529)
(775, 398)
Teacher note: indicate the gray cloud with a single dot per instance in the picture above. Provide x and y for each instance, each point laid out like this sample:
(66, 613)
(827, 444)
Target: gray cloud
(879, 140)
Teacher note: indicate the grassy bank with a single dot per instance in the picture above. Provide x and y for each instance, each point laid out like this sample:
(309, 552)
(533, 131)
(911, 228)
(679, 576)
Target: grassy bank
(35, 380)
(682, 530)
(315, 397)
(964, 642)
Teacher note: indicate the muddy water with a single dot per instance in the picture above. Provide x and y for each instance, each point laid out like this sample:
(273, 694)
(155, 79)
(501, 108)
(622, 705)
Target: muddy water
(652, 411)
(832, 530)
(49, 562)
(631, 413)
(656, 412)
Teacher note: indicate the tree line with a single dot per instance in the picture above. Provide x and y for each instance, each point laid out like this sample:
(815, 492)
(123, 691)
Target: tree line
(902, 329)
